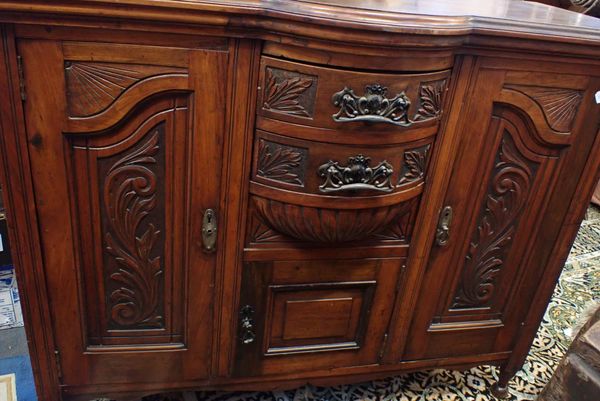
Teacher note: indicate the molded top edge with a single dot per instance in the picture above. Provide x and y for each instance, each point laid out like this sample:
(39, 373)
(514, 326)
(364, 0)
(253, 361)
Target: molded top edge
(510, 18)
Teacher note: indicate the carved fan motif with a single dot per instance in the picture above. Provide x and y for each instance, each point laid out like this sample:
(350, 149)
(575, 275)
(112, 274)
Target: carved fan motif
(401, 229)
(283, 94)
(280, 163)
(415, 162)
(260, 232)
(91, 87)
(508, 192)
(129, 196)
(559, 105)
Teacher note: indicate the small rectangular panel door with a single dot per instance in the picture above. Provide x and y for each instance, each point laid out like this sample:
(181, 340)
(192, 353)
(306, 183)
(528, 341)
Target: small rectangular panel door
(125, 144)
(318, 314)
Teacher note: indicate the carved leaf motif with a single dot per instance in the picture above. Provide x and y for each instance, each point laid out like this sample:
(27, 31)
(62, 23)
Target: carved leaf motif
(415, 162)
(559, 105)
(278, 162)
(283, 96)
(129, 196)
(509, 189)
(431, 100)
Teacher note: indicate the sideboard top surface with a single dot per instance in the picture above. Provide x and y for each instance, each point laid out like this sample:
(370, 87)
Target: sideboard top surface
(503, 18)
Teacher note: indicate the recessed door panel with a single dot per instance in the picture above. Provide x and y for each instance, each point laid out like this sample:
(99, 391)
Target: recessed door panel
(125, 164)
(478, 281)
(299, 315)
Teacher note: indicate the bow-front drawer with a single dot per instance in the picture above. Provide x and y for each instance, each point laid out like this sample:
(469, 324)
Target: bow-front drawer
(290, 165)
(343, 104)
(323, 192)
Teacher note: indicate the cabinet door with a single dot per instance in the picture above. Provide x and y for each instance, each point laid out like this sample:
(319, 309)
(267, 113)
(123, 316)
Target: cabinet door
(306, 315)
(512, 179)
(125, 146)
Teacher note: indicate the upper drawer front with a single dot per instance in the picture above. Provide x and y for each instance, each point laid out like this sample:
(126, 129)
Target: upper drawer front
(349, 100)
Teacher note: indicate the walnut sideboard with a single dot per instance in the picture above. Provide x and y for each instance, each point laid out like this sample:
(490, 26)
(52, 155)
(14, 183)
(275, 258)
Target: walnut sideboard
(254, 194)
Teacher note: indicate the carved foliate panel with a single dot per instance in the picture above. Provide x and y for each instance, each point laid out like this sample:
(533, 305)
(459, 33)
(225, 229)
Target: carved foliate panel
(415, 165)
(508, 190)
(282, 163)
(124, 185)
(559, 105)
(133, 227)
(431, 96)
(289, 92)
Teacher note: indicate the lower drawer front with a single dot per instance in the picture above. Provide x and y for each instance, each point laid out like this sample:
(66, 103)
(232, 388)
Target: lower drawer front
(307, 315)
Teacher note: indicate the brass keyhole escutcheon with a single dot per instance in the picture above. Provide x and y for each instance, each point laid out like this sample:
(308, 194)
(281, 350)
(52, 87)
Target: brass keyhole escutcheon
(442, 234)
(209, 230)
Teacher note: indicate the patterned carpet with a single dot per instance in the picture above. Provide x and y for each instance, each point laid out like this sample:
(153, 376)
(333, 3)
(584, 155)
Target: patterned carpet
(579, 286)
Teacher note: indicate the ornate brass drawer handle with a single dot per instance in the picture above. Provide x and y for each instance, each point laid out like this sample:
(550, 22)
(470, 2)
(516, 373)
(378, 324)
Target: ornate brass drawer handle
(356, 175)
(247, 324)
(372, 107)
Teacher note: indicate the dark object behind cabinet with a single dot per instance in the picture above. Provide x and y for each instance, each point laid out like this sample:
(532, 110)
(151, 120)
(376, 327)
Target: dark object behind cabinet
(212, 196)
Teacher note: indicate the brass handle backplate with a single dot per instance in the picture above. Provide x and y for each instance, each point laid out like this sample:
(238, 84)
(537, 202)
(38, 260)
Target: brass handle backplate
(442, 235)
(372, 107)
(356, 175)
(209, 230)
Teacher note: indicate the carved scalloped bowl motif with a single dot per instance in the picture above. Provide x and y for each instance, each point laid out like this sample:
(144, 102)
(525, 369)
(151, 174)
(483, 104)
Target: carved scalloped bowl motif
(325, 225)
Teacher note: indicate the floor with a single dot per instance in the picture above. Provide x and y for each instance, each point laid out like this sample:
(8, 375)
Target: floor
(14, 358)
(578, 287)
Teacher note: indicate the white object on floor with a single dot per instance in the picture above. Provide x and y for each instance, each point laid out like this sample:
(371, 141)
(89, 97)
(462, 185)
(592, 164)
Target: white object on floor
(10, 304)
(8, 388)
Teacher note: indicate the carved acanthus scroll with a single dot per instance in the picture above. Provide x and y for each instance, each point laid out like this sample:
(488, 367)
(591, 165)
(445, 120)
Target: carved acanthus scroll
(129, 196)
(509, 189)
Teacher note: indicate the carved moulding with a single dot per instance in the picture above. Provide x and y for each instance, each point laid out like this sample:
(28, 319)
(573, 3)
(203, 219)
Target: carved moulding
(315, 224)
(130, 195)
(375, 107)
(508, 190)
